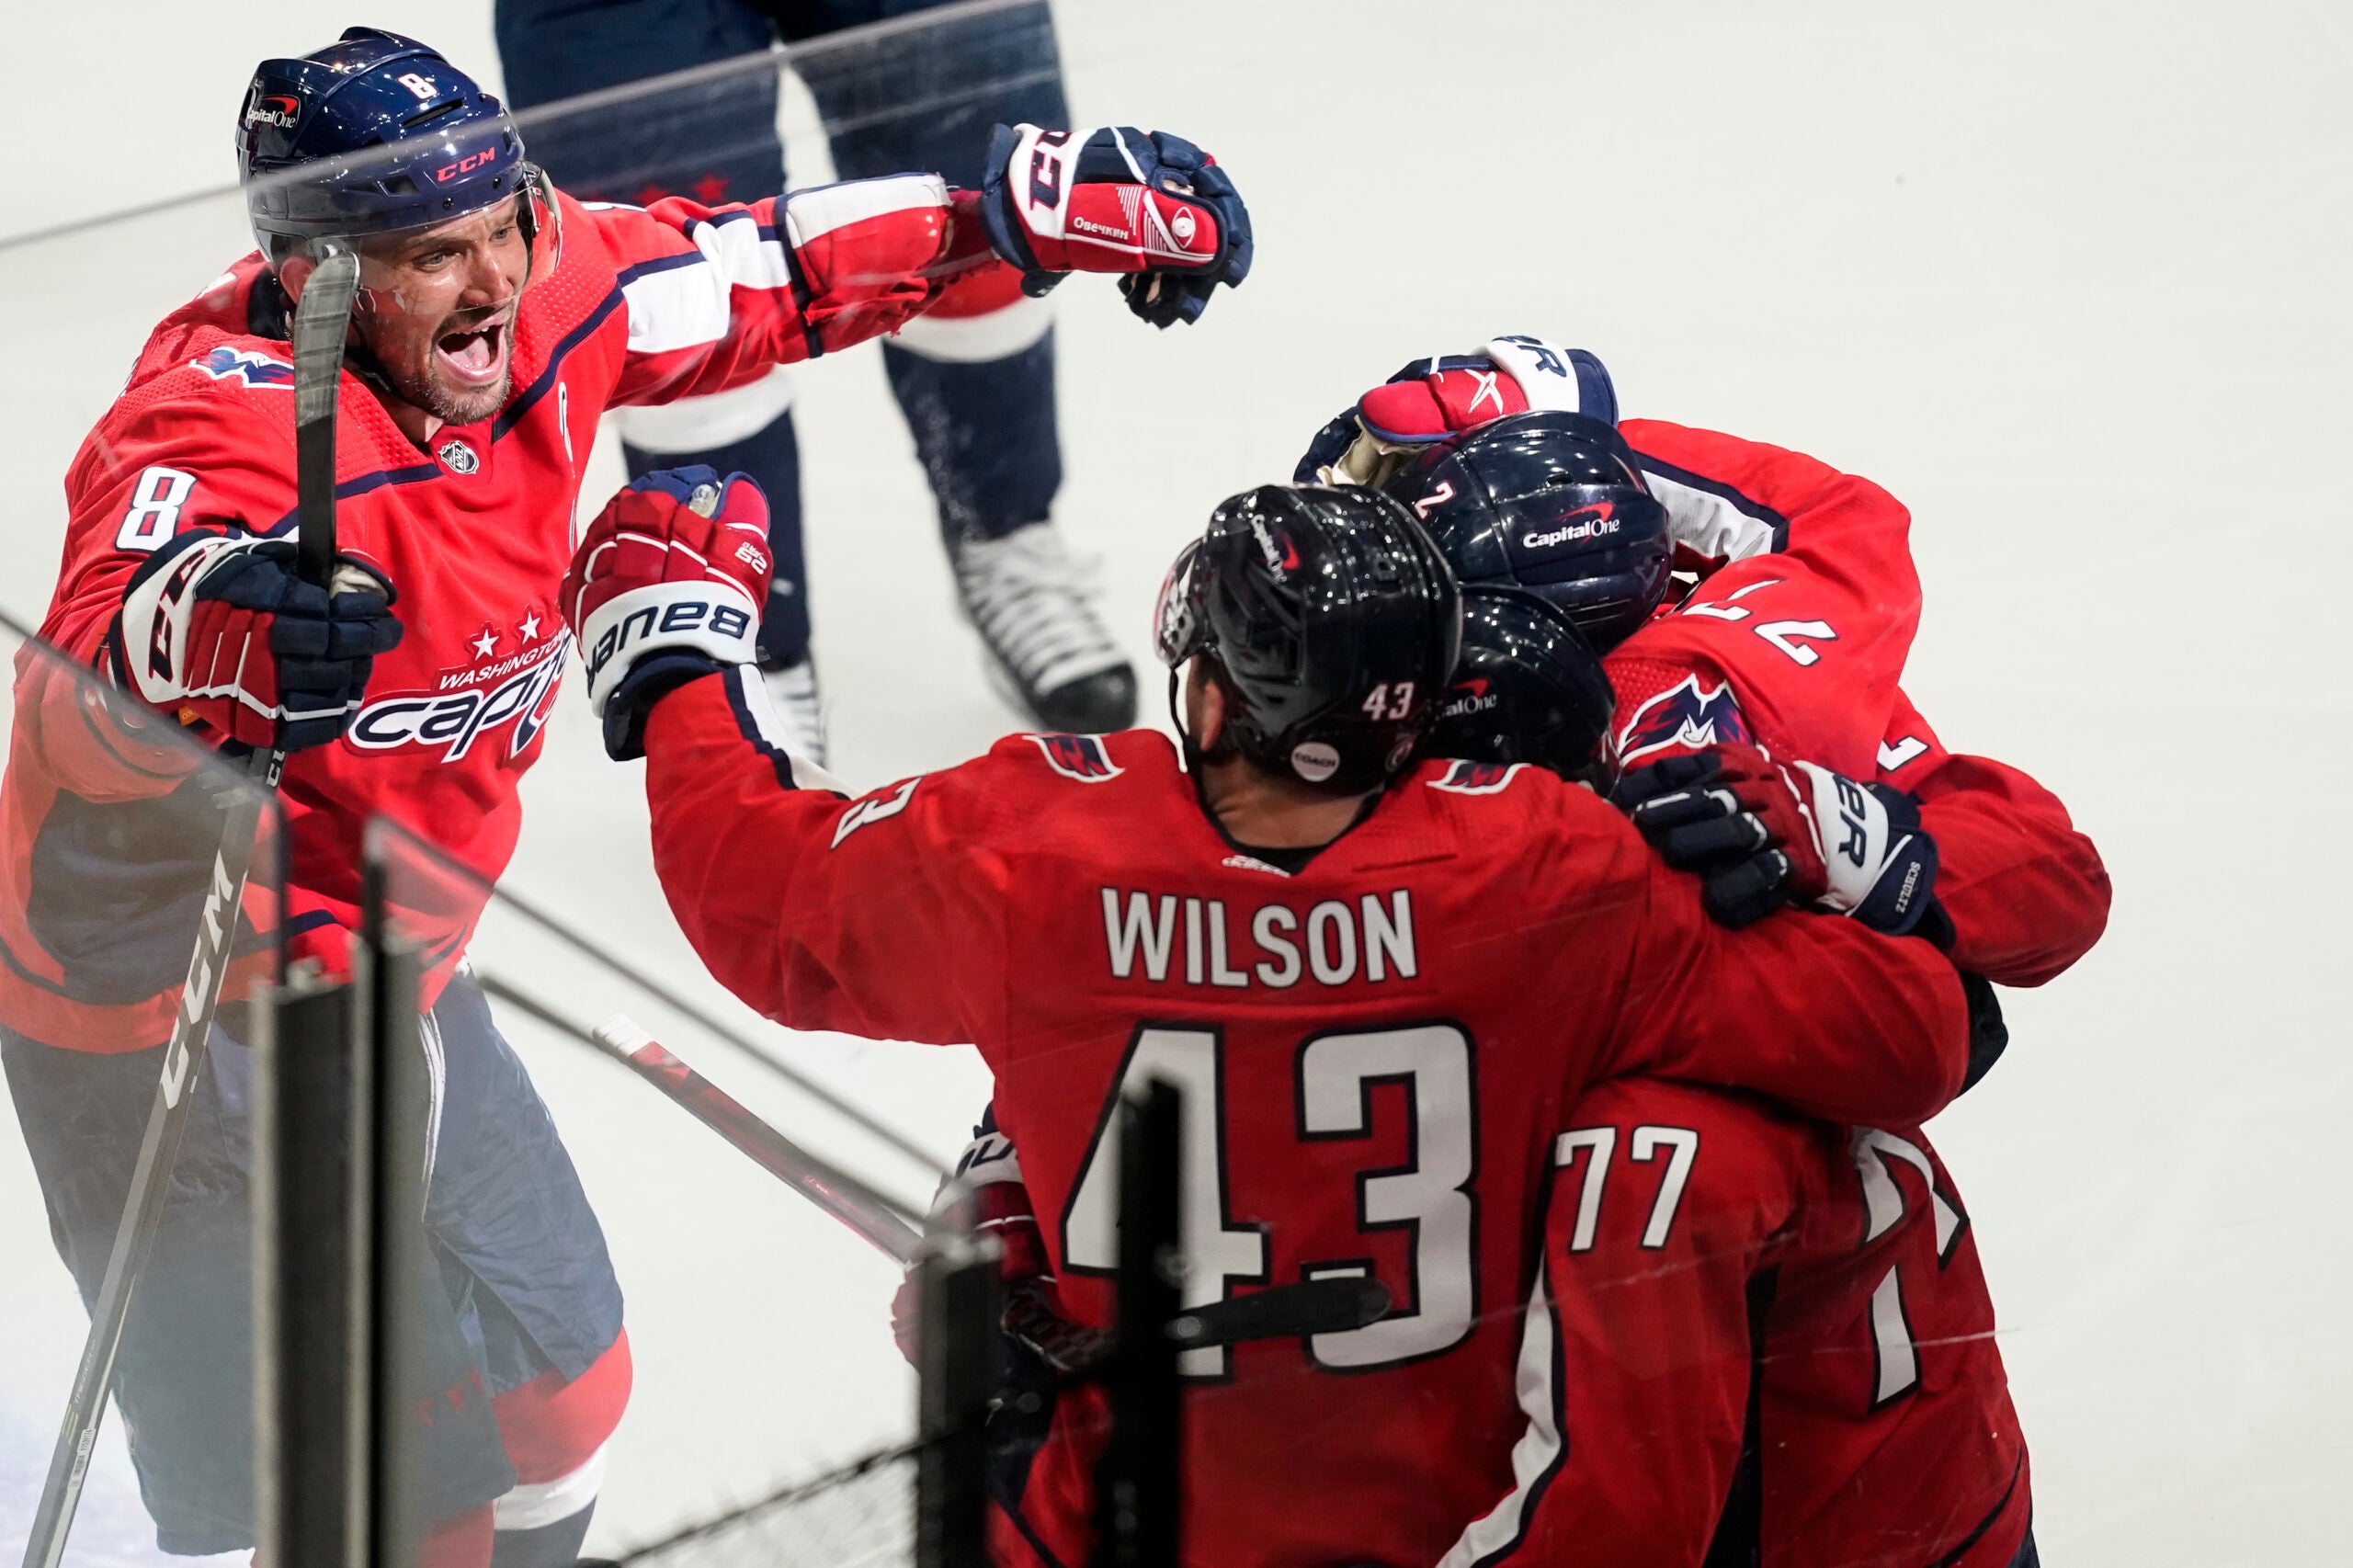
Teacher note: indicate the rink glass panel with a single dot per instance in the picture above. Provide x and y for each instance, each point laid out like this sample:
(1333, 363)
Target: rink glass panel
(759, 1327)
(112, 819)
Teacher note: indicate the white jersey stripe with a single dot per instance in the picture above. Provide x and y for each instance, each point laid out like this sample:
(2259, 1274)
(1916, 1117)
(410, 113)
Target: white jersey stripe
(688, 304)
(809, 213)
(1494, 1534)
(1708, 524)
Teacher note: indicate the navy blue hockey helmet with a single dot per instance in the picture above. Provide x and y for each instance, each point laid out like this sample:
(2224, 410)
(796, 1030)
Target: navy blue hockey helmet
(1529, 687)
(1553, 502)
(374, 133)
(1334, 622)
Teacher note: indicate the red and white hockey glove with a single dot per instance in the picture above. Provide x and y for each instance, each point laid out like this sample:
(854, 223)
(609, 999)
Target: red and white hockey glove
(1446, 395)
(989, 1182)
(218, 630)
(1761, 833)
(666, 586)
(1116, 199)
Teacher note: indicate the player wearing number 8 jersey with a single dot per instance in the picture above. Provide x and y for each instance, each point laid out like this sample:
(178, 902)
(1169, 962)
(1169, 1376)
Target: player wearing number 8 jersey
(497, 319)
(1352, 959)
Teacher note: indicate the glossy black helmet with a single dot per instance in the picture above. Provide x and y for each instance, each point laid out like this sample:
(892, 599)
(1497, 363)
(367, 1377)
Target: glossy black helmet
(1529, 687)
(1551, 503)
(1334, 623)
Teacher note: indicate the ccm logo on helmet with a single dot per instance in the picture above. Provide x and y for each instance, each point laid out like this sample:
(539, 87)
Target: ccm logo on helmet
(1589, 522)
(471, 161)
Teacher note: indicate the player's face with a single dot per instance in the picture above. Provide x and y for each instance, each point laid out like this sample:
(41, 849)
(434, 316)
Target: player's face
(437, 309)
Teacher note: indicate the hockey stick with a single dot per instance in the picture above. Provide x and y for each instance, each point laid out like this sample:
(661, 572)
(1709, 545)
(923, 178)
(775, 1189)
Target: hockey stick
(320, 322)
(1283, 1312)
(881, 1222)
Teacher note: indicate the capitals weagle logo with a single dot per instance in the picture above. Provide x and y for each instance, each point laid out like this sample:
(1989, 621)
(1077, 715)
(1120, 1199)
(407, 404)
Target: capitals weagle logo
(510, 680)
(1083, 758)
(247, 365)
(1683, 715)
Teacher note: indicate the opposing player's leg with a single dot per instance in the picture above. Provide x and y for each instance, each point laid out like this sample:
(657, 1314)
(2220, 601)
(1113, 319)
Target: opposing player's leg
(978, 388)
(184, 1380)
(715, 143)
(524, 1254)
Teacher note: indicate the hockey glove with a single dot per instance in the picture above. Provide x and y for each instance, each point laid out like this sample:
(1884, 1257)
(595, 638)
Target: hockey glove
(1762, 833)
(218, 628)
(1116, 199)
(1033, 1317)
(666, 586)
(1446, 395)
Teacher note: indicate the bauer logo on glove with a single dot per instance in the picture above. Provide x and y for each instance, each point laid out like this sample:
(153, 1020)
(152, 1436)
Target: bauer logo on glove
(666, 585)
(1761, 833)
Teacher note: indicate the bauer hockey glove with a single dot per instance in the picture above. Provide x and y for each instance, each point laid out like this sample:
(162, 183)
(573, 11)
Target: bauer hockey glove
(1446, 395)
(218, 630)
(665, 587)
(1116, 199)
(1760, 833)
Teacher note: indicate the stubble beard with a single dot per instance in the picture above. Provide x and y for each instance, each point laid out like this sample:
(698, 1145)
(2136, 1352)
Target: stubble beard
(451, 405)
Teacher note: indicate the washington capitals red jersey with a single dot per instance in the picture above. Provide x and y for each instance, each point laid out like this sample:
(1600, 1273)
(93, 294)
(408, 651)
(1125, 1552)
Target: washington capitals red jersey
(1758, 1339)
(474, 533)
(1795, 639)
(1715, 1268)
(1377, 1049)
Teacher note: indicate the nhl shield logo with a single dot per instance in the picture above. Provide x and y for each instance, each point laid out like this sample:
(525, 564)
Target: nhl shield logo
(1082, 758)
(458, 457)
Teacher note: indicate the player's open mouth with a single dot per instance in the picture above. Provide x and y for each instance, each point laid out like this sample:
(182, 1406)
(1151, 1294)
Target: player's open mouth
(477, 356)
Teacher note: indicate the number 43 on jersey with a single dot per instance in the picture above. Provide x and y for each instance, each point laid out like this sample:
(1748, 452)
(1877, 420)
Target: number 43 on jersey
(1429, 1197)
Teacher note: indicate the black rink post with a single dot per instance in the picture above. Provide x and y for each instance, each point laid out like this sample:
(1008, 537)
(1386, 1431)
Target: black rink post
(302, 1266)
(397, 1283)
(956, 1331)
(1139, 1480)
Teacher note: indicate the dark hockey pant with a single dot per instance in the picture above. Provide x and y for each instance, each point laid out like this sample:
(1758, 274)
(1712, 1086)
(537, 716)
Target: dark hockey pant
(979, 395)
(526, 1288)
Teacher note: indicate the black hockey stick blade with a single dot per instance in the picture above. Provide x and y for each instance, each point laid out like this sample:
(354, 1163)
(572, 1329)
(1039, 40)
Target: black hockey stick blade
(1286, 1311)
(321, 319)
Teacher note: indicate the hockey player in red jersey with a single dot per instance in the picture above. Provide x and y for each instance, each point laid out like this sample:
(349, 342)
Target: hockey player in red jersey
(1838, 1260)
(498, 320)
(1353, 961)
(1881, 1446)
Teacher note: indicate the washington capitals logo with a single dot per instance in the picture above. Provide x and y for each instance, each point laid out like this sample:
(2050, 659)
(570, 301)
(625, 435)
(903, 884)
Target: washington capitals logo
(1683, 715)
(1477, 777)
(1082, 758)
(248, 366)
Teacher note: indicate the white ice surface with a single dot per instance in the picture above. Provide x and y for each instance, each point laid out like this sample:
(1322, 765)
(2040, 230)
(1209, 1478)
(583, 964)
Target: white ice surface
(2068, 277)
